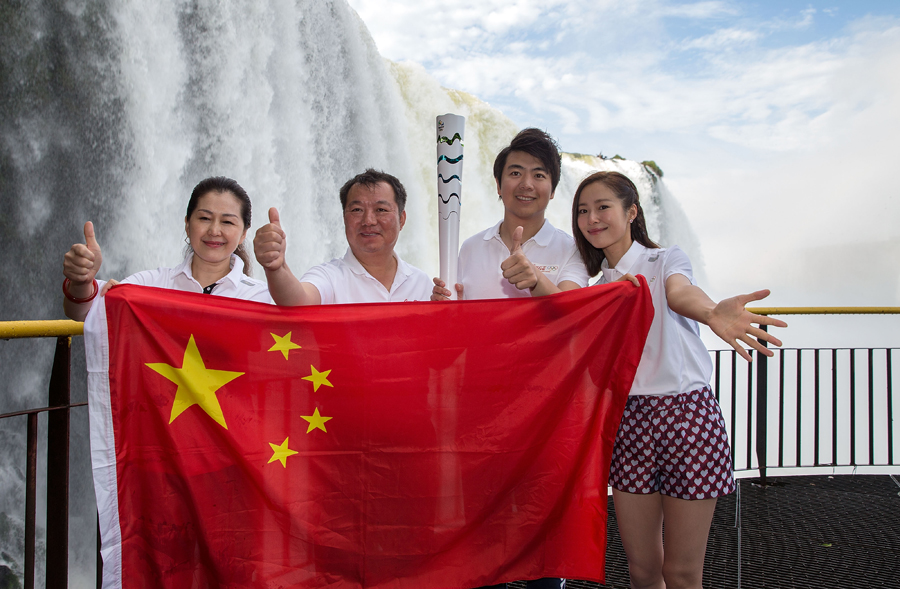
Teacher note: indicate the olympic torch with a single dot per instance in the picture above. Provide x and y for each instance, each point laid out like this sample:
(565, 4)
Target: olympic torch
(450, 135)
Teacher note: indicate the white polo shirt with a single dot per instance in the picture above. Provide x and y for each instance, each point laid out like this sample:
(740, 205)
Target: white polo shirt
(674, 359)
(344, 280)
(551, 250)
(234, 285)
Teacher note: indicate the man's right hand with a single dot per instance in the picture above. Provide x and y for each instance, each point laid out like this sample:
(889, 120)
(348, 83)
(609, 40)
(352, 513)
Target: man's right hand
(440, 292)
(270, 243)
(82, 262)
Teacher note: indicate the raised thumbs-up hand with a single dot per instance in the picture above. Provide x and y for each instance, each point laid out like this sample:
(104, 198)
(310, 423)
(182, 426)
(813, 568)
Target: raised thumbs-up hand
(517, 269)
(82, 262)
(270, 243)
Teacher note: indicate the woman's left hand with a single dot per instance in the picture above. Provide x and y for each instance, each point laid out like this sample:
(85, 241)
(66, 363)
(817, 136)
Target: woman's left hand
(108, 286)
(733, 323)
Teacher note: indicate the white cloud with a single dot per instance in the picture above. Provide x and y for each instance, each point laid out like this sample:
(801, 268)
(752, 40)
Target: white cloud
(699, 10)
(721, 39)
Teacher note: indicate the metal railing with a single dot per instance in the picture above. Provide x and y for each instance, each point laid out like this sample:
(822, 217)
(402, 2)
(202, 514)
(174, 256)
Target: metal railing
(832, 407)
(57, 409)
(744, 392)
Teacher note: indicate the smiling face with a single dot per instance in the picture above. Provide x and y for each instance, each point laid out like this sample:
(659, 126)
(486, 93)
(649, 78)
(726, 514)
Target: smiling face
(372, 220)
(524, 186)
(215, 228)
(603, 221)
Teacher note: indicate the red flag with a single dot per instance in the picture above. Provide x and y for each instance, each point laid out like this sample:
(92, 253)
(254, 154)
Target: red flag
(418, 445)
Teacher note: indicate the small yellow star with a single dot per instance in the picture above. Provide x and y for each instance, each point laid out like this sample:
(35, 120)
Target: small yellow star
(197, 384)
(316, 421)
(281, 452)
(283, 344)
(318, 378)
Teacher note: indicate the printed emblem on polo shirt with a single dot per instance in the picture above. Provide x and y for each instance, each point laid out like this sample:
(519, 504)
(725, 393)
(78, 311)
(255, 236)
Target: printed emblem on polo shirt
(548, 269)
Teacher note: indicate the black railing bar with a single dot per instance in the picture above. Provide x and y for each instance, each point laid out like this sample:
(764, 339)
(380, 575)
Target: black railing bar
(734, 407)
(853, 408)
(890, 409)
(750, 432)
(737, 524)
(30, 498)
(781, 408)
(816, 409)
(42, 409)
(799, 404)
(718, 380)
(871, 409)
(58, 424)
(807, 349)
(834, 407)
(762, 409)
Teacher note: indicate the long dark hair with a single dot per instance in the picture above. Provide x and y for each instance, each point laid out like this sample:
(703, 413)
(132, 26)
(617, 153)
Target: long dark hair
(223, 184)
(627, 192)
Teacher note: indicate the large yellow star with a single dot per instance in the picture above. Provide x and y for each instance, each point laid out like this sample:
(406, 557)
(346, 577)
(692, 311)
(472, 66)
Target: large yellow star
(283, 344)
(197, 384)
(281, 452)
(318, 378)
(316, 421)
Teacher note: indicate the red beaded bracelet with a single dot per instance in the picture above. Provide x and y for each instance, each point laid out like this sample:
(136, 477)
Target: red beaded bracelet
(66, 284)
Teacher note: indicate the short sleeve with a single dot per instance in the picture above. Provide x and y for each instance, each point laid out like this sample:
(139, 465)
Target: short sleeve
(143, 278)
(574, 270)
(677, 262)
(319, 277)
(260, 294)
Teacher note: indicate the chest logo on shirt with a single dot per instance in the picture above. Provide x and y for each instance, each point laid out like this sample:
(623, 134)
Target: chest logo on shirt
(548, 269)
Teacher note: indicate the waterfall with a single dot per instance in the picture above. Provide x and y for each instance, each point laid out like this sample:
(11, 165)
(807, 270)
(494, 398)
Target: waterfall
(114, 109)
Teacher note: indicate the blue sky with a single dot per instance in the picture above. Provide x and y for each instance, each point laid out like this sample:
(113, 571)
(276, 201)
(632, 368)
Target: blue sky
(776, 123)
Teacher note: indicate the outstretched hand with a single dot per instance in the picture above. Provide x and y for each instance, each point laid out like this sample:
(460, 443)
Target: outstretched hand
(270, 243)
(517, 268)
(82, 262)
(733, 323)
(441, 293)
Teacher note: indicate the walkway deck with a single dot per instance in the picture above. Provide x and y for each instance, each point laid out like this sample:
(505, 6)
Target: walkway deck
(806, 531)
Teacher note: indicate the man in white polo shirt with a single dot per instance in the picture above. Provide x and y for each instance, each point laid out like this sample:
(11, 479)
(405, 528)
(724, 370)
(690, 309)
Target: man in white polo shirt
(370, 271)
(523, 255)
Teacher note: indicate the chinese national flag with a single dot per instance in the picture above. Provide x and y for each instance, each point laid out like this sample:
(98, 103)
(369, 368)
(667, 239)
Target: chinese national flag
(418, 444)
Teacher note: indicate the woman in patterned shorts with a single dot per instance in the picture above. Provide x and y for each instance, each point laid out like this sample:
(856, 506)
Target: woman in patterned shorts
(671, 458)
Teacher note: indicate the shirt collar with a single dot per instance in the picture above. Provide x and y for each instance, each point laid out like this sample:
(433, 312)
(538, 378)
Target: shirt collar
(234, 275)
(357, 268)
(625, 264)
(542, 237)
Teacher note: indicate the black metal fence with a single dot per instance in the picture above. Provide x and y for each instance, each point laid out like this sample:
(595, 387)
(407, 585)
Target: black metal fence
(821, 409)
(57, 530)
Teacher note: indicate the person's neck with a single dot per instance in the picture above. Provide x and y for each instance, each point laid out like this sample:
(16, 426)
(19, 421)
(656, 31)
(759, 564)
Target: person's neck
(616, 252)
(381, 266)
(205, 273)
(530, 228)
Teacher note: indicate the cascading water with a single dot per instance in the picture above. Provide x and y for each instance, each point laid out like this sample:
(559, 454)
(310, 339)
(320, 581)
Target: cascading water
(113, 110)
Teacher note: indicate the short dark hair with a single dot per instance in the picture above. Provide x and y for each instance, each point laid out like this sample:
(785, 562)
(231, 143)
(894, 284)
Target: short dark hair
(625, 191)
(536, 143)
(370, 178)
(223, 184)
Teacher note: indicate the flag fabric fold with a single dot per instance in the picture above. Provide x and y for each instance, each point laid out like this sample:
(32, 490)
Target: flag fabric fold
(418, 444)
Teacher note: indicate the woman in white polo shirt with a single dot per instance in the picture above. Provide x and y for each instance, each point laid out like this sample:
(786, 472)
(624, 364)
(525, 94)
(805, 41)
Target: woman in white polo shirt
(671, 458)
(216, 223)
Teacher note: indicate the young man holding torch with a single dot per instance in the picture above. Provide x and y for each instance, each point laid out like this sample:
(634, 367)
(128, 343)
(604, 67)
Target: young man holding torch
(522, 255)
